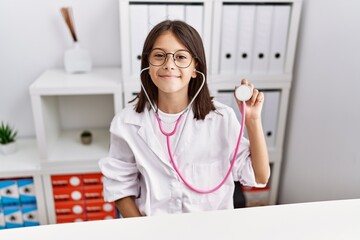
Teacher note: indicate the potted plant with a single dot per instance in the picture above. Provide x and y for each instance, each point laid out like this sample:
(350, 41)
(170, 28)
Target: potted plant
(7, 138)
(86, 137)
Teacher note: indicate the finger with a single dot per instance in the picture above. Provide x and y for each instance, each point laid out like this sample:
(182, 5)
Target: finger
(254, 96)
(251, 86)
(244, 81)
(260, 98)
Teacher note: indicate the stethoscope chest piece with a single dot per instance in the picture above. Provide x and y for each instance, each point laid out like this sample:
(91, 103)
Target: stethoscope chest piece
(243, 93)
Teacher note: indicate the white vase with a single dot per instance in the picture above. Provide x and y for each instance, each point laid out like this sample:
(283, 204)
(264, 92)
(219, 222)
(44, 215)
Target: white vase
(77, 60)
(8, 148)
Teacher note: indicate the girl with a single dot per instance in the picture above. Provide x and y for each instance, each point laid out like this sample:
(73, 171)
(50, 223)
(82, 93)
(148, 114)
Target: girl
(171, 149)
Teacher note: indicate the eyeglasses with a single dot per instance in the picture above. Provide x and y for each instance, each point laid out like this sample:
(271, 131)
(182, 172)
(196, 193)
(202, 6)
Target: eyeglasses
(158, 57)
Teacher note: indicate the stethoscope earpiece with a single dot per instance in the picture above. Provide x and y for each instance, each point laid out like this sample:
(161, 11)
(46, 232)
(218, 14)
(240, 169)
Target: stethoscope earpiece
(243, 93)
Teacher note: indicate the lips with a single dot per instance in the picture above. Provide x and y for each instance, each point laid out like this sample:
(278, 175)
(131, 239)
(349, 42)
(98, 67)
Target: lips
(169, 76)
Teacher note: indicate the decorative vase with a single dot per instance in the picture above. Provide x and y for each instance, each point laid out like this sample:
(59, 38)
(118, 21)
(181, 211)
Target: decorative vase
(77, 60)
(8, 148)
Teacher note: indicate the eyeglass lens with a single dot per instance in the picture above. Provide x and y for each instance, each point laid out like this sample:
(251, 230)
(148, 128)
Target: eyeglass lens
(158, 57)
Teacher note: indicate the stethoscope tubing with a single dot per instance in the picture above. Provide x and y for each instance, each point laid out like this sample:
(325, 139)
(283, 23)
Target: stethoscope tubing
(169, 134)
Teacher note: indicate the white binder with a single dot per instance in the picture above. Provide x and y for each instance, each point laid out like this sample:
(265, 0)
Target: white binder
(138, 31)
(281, 20)
(176, 12)
(157, 13)
(262, 38)
(194, 16)
(228, 39)
(245, 38)
(269, 116)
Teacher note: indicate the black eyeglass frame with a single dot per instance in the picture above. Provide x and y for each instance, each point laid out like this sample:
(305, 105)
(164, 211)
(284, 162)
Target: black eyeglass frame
(166, 58)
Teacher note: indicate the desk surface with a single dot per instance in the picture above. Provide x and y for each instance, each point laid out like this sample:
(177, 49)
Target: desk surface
(316, 220)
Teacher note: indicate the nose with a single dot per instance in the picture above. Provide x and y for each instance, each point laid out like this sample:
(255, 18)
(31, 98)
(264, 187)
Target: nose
(169, 63)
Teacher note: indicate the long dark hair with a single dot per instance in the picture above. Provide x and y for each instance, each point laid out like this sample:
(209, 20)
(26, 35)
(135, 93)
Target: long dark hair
(191, 39)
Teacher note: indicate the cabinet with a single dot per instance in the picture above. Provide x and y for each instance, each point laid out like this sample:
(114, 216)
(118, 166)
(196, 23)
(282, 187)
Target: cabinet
(22, 166)
(256, 40)
(251, 39)
(64, 105)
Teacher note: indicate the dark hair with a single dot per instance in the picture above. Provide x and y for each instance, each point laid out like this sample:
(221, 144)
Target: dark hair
(191, 39)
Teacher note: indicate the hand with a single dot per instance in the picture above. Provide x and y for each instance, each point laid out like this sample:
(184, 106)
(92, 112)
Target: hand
(254, 104)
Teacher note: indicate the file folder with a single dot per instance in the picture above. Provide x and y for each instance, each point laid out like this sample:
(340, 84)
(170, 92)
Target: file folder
(157, 14)
(280, 27)
(176, 12)
(138, 32)
(263, 23)
(245, 38)
(194, 16)
(269, 115)
(228, 39)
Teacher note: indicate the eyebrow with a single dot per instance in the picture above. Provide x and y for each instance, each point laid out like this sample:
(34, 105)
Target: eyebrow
(168, 52)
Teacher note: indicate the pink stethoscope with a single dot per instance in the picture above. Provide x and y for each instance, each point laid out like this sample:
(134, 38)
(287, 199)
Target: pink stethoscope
(242, 93)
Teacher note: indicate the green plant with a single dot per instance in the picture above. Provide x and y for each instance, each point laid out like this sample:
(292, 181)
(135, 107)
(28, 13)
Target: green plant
(86, 134)
(7, 133)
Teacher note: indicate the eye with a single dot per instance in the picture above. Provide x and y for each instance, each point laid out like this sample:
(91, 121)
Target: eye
(159, 55)
(182, 56)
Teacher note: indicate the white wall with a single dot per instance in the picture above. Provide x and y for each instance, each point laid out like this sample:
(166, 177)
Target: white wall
(33, 37)
(322, 160)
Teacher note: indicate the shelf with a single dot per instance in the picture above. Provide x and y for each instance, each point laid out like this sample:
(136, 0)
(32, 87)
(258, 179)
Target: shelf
(68, 153)
(24, 162)
(58, 82)
(66, 104)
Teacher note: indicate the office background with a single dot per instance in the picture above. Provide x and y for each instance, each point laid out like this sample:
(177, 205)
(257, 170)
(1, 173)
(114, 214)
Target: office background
(322, 157)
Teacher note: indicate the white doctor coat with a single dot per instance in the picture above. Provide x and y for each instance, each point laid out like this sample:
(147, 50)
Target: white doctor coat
(137, 164)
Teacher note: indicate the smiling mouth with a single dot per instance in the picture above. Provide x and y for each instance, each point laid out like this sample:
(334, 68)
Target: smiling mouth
(169, 76)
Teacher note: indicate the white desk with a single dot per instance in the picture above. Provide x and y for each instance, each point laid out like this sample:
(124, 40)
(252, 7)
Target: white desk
(318, 220)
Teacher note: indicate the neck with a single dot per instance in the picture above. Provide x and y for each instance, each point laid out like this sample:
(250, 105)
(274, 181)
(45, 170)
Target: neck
(172, 104)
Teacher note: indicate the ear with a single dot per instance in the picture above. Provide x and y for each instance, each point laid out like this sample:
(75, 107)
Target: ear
(194, 73)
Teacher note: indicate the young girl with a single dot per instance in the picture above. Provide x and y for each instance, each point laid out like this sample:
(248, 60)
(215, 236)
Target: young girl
(171, 149)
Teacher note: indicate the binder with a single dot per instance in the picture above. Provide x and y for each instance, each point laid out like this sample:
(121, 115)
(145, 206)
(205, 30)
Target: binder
(269, 115)
(279, 38)
(194, 15)
(262, 39)
(228, 39)
(157, 13)
(176, 12)
(245, 38)
(138, 31)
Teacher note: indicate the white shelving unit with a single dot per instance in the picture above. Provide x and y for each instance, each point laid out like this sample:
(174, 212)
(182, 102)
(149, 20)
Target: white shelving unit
(256, 40)
(64, 105)
(25, 163)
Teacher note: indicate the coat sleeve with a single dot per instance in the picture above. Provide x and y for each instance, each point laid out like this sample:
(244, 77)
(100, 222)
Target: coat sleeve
(119, 168)
(243, 170)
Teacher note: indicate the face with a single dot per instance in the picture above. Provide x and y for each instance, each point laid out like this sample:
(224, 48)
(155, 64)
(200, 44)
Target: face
(169, 78)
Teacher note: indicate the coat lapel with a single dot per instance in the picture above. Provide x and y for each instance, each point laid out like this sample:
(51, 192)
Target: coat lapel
(146, 132)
